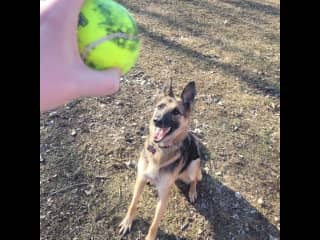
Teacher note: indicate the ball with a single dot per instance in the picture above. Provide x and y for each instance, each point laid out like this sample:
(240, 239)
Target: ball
(107, 36)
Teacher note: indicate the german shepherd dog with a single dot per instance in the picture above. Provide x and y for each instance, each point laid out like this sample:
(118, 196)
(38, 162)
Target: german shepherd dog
(170, 153)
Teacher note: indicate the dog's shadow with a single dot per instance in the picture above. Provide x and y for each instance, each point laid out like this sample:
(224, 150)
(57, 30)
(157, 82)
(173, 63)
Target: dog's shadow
(229, 214)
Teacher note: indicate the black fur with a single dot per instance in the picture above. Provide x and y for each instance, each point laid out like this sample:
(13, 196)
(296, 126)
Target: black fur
(189, 151)
(172, 166)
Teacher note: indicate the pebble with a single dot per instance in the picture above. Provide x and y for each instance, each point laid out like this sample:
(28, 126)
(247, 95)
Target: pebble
(73, 132)
(235, 216)
(260, 201)
(88, 192)
(52, 114)
(238, 195)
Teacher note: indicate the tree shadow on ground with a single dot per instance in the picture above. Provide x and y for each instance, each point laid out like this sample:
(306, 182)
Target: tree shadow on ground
(250, 5)
(254, 80)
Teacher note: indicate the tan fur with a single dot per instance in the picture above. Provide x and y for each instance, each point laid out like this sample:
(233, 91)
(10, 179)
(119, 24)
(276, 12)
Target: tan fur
(150, 165)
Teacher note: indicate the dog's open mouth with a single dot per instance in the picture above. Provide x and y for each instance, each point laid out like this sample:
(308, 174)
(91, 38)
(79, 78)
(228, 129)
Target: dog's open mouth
(160, 133)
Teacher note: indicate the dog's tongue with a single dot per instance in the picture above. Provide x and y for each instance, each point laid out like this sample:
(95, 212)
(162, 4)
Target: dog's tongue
(160, 133)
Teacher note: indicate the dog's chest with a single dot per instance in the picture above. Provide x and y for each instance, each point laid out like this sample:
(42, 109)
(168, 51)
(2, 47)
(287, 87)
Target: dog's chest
(152, 173)
(150, 168)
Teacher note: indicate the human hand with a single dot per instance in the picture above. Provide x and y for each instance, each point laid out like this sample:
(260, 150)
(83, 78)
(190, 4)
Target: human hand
(63, 75)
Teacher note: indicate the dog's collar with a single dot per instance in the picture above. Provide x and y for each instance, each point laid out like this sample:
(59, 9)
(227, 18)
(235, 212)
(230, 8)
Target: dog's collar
(152, 149)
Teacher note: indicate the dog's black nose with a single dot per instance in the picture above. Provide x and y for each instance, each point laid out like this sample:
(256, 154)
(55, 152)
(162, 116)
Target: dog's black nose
(157, 121)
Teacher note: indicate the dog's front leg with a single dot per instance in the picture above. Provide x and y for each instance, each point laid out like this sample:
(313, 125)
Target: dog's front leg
(161, 207)
(126, 223)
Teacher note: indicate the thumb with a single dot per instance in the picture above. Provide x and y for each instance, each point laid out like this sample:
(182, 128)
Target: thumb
(93, 83)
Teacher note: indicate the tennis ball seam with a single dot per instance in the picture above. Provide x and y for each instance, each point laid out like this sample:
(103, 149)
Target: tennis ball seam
(109, 37)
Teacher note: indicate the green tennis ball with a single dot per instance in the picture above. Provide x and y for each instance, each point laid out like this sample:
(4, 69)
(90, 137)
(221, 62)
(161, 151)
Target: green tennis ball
(107, 36)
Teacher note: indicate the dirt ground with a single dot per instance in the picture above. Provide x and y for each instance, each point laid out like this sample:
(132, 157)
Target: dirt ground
(89, 147)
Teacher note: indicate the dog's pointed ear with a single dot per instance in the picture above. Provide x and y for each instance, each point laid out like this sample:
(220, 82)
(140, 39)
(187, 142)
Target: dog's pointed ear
(167, 89)
(188, 94)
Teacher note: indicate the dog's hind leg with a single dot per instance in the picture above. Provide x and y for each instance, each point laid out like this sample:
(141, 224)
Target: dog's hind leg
(195, 175)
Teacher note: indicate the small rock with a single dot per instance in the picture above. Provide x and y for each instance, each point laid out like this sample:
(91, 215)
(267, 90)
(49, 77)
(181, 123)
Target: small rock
(220, 103)
(276, 219)
(260, 201)
(200, 231)
(235, 216)
(206, 169)
(42, 217)
(236, 128)
(130, 163)
(197, 131)
(73, 132)
(52, 114)
(238, 195)
(218, 173)
(88, 192)
(225, 22)
(74, 190)
(49, 201)
(41, 159)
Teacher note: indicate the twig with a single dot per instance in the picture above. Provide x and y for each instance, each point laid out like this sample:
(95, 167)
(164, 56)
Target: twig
(68, 188)
(102, 176)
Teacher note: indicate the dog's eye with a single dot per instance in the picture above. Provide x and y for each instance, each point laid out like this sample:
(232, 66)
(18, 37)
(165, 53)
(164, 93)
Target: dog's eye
(161, 106)
(175, 111)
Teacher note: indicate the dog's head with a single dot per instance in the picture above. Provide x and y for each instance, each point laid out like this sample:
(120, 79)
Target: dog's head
(171, 117)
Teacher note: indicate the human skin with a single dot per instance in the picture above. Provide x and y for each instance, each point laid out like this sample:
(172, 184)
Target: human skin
(63, 75)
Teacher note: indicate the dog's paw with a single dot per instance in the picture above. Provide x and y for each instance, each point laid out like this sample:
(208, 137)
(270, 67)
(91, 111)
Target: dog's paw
(193, 195)
(125, 226)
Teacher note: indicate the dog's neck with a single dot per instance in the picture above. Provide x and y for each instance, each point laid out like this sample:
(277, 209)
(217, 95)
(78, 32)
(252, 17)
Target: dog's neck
(153, 147)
